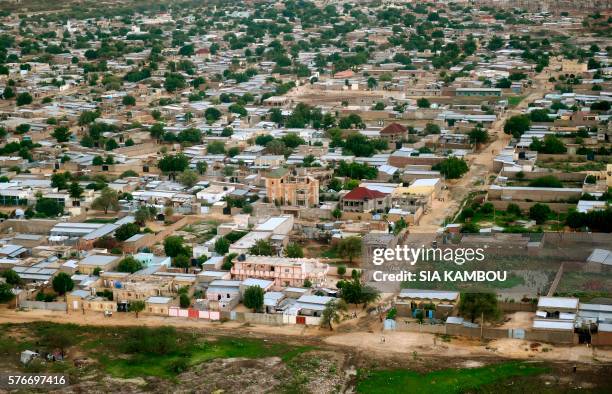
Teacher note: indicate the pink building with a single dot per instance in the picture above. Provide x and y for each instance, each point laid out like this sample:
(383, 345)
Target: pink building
(283, 271)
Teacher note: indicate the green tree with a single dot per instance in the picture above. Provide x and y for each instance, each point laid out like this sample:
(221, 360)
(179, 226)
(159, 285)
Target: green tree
(49, 207)
(172, 164)
(111, 144)
(184, 301)
(61, 134)
(75, 190)
(294, 250)
(108, 200)
(452, 167)
(276, 147)
(215, 148)
(201, 167)
(539, 212)
(144, 214)
(136, 306)
(473, 305)
(550, 145)
(157, 130)
(6, 293)
(478, 136)
(188, 178)
(128, 100)
(539, 115)
(24, 99)
(333, 312)
(222, 246)
(181, 261)
(60, 180)
(212, 114)
(517, 125)
(62, 283)
(495, 43)
(262, 248)
(88, 117)
(127, 230)
(372, 83)
(8, 93)
(11, 277)
(254, 298)
(173, 245)
(349, 247)
(423, 103)
(174, 82)
(432, 128)
(341, 270)
(187, 50)
(129, 264)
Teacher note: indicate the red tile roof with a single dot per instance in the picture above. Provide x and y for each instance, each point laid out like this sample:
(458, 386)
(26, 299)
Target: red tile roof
(363, 193)
(394, 128)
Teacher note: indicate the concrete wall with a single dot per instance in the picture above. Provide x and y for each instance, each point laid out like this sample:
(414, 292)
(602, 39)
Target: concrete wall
(535, 194)
(524, 205)
(262, 318)
(49, 306)
(550, 336)
(602, 339)
(562, 176)
(31, 226)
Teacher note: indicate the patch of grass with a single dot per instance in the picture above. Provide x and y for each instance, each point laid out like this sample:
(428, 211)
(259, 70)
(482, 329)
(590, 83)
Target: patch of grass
(164, 366)
(330, 253)
(444, 381)
(515, 100)
(128, 352)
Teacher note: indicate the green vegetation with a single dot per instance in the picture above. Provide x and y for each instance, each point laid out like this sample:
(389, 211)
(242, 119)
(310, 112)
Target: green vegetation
(444, 381)
(515, 100)
(452, 167)
(546, 181)
(517, 125)
(129, 352)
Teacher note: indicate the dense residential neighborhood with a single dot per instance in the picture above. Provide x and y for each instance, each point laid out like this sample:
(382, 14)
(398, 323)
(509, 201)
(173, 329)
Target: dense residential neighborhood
(254, 169)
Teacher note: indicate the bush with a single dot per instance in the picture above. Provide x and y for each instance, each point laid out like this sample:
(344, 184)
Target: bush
(546, 181)
(539, 212)
(452, 167)
(517, 125)
(143, 340)
(514, 209)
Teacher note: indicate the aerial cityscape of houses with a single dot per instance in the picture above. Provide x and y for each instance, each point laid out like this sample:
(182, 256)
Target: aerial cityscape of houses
(241, 162)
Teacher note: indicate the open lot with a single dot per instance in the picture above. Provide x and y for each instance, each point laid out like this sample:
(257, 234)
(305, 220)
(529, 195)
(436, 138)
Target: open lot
(162, 359)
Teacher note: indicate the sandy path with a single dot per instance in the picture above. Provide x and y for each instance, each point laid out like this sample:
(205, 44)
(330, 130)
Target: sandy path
(409, 343)
(416, 344)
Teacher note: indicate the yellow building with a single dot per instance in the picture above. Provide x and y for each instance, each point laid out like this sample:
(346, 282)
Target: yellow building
(285, 187)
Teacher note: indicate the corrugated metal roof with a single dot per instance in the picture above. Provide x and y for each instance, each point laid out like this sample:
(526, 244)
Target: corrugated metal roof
(558, 302)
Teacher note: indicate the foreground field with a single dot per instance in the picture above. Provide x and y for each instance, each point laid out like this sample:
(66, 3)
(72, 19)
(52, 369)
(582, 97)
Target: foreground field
(162, 359)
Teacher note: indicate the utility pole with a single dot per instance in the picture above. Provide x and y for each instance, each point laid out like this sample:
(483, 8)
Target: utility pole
(481, 324)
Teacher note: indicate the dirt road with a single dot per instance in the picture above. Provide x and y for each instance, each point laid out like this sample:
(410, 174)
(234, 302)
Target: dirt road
(369, 340)
(480, 165)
